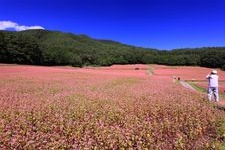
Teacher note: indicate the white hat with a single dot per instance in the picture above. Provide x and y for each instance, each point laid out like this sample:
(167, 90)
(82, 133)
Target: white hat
(214, 71)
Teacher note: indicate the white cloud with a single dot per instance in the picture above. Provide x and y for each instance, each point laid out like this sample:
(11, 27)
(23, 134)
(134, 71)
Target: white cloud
(21, 28)
(12, 25)
(7, 24)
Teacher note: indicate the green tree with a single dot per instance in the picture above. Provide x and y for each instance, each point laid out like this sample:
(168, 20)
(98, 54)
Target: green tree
(3, 51)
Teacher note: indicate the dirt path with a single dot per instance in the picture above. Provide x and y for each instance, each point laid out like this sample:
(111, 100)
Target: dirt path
(187, 85)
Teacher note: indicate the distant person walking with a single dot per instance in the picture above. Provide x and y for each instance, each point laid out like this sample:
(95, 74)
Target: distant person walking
(213, 85)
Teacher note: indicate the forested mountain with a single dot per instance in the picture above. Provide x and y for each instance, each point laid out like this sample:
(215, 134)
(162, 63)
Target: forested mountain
(43, 47)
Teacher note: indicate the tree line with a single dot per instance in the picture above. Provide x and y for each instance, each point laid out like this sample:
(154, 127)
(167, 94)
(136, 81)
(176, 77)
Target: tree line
(43, 47)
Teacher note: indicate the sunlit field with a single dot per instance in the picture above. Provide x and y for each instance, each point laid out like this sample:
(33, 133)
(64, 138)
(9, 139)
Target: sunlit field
(117, 107)
(185, 72)
(194, 75)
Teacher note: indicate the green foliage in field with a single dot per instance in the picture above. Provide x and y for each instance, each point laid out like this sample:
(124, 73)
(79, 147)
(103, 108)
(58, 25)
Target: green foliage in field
(196, 87)
(43, 47)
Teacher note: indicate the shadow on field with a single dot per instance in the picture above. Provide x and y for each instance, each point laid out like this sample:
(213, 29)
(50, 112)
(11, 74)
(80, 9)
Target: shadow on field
(220, 107)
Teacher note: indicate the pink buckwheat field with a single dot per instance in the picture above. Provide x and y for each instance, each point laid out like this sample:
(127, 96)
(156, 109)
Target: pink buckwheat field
(117, 107)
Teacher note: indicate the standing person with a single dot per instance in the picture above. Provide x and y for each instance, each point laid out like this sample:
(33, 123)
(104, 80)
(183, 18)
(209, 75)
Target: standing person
(213, 85)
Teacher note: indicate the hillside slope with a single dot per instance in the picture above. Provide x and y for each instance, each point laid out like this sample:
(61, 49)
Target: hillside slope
(43, 47)
(57, 48)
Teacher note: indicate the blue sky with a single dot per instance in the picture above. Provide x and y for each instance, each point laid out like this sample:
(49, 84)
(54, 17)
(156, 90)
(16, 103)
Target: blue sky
(161, 24)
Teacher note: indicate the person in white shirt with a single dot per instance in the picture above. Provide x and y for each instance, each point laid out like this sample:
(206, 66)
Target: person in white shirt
(213, 85)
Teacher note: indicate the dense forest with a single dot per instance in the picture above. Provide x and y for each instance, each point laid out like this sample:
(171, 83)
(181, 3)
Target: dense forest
(43, 47)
